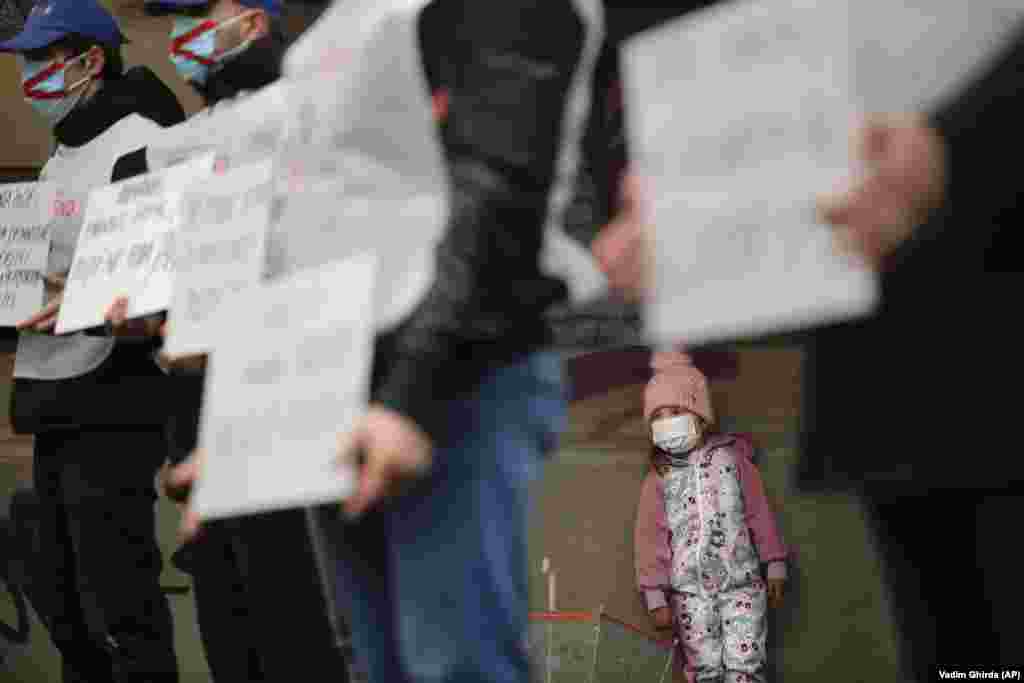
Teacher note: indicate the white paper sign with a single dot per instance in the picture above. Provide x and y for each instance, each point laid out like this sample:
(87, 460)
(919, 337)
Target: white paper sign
(361, 119)
(126, 246)
(26, 215)
(219, 252)
(739, 116)
(246, 129)
(749, 267)
(743, 87)
(290, 375)
(66, 223)
(912, 55)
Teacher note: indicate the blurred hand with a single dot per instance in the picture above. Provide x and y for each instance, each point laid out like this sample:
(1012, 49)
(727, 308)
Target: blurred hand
(164, 487)
(46, 319)
(776, 592)
(193, 362)
(394, 453)
(662, 618)
(905, 175)
(621, 247)
(178, 485)
(121, 326)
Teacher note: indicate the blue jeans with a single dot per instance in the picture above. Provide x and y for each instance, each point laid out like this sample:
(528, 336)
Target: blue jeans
(434, 583)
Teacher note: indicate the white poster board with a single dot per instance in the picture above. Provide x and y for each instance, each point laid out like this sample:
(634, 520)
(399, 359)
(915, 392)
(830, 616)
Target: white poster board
(246, 129)
(913, 55)
(361, 119)
(66, 223)
(26, 215)
(126, 246)
(739, 116)
(219, 252)
(288, 378)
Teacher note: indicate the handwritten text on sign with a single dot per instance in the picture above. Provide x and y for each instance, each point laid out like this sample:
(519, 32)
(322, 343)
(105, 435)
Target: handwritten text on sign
(25, 216)
(220, 252)
(765, 89)
(126, 246)
(289, 376)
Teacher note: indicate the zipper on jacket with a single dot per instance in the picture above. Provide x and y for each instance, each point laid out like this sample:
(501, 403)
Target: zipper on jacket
(700, 529)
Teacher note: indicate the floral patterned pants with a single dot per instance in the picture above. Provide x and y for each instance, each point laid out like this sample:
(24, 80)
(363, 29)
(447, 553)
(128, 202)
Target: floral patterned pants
(723, 634)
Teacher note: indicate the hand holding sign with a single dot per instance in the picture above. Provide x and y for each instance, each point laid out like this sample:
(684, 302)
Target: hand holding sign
(904, 183)
(123, 326)
(177, 486)
(45, 319)
(394, 452)
(622, 249)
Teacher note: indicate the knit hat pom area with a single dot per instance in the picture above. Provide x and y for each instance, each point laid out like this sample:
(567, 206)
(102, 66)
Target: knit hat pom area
(677, 382)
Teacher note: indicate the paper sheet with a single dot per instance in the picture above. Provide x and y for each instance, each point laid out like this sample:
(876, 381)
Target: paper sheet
(362, 121)
(736, 277)
(246, 129)
(26, 216)
(912, 55)
(219, 252)
(126, 246)
(288, 378)
(740, 115)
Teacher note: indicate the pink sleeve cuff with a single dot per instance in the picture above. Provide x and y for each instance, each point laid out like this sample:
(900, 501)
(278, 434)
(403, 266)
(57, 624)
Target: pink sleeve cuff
(776, 570)
(655, 600)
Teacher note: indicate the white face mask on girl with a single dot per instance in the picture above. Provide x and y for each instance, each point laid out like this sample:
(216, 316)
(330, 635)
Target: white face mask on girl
(676, 435)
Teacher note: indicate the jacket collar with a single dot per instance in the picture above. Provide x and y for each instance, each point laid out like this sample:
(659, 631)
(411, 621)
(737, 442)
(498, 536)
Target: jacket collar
(255, 68)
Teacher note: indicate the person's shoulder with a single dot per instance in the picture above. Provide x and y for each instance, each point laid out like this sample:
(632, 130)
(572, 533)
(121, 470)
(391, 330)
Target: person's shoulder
(143, 78)
(737, 445)
(157, 102)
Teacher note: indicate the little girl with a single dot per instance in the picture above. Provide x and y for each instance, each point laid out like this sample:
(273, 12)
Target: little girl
(703, 528)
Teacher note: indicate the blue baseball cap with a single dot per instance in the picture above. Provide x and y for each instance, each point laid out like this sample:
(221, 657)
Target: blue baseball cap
(158, 7)
(51, 20)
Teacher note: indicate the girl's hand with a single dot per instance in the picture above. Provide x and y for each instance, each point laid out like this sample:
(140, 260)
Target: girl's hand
(776, 592)
(662, 618)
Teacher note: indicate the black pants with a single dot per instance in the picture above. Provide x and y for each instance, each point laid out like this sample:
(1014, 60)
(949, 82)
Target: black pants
(262, 610)
(953, 584)
(100, 565)
(261, 606)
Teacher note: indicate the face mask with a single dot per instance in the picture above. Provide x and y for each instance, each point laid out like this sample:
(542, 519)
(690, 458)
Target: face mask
(44, 88)
(676, 435)
(193, 44)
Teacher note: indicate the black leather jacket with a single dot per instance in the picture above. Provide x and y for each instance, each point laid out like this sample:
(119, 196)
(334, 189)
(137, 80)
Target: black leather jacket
(508, 68)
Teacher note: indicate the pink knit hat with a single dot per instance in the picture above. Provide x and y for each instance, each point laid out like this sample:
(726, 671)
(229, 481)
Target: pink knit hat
(677, 382)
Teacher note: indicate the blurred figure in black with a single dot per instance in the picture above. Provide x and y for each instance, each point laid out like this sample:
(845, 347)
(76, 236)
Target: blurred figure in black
(913, 408)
